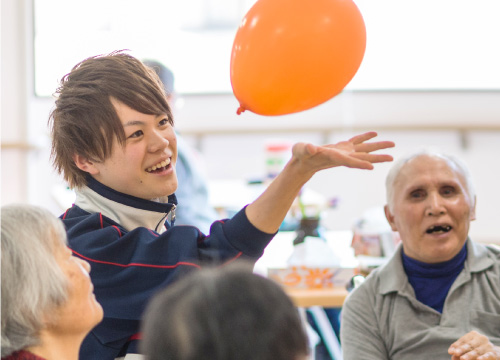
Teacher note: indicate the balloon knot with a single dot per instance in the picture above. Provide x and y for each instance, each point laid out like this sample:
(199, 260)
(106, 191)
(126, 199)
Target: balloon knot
(240, 110)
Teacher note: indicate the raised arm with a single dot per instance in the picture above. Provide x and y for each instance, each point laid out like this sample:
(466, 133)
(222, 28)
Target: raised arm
(268, 211)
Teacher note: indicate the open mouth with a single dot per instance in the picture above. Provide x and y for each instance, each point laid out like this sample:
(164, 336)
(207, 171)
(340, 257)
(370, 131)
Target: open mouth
(438, 229)
(159, 167)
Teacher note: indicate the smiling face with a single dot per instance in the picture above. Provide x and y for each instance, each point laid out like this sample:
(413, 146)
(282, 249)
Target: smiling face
(81, 311)
(431, 209)
(145, 166)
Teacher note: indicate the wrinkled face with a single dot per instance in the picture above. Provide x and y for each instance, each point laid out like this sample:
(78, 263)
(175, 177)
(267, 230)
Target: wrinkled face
(431, 209)
(145, 166)
(81, 311)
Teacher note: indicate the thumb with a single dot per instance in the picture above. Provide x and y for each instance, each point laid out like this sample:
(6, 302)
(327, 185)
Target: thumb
(303, 149)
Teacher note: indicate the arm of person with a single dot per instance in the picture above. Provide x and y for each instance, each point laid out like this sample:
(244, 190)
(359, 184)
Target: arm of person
(359, 327)
(268, 211)
(474, 346)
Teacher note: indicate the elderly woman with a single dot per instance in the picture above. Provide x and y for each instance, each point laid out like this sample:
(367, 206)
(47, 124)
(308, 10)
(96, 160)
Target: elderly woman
(438, 297)
(48, 305)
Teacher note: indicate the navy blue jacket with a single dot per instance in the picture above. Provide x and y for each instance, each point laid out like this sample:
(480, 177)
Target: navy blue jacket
(129, 267)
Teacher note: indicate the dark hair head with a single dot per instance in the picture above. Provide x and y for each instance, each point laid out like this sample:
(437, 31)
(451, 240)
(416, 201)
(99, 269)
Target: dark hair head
(223, 314)
(84, 120)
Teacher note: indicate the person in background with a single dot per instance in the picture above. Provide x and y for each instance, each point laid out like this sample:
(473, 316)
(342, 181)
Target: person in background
(223, 314)
(438, 297)
(48, 305)
(192, 193)
(114, 142)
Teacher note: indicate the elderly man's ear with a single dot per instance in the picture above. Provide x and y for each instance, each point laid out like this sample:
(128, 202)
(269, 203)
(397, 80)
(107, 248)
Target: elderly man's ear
(85, 164)
(390, 218)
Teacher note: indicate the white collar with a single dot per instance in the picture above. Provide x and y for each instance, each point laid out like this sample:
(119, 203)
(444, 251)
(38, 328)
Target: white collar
(128, 216)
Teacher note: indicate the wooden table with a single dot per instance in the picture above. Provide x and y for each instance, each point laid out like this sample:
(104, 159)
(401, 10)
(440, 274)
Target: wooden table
(315, 300)
(280, 249)
(328, 298)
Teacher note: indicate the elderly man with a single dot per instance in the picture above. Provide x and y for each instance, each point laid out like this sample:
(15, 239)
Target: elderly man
(438, 297)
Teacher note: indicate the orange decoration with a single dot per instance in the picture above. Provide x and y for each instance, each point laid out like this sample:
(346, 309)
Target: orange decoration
(291, 55)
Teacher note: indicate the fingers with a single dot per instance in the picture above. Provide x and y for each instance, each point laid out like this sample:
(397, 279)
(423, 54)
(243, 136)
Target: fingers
(360, 146)
(471, 339)
(358, 160)
(351, 160)
(373, 158)
(480, 353)
(474, 346)
(489, 356)
(358, 139)
(354, 163)
(493, 353)
(358, 164)
(466, 343)
(369, 147)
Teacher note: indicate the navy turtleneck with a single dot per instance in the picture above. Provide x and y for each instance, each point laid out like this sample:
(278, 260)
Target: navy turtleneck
(432, 282)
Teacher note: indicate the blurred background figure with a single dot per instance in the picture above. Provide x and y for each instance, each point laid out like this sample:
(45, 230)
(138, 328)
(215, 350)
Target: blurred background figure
(373, 240)
(372, 234)
(192, 193)
(226, 313)
(48, 305)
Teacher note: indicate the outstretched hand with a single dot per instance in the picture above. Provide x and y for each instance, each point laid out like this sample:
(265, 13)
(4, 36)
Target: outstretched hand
(474, 346)
(268, 211)
(353, 153)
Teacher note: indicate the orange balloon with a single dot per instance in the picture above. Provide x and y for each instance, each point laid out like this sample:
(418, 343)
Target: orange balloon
(291, 55)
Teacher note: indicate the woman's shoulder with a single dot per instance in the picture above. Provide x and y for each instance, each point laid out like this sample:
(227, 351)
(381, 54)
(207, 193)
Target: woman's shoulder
(22, 355)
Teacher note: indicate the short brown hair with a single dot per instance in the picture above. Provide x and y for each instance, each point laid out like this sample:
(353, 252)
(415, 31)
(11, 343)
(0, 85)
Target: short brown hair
(84, 120)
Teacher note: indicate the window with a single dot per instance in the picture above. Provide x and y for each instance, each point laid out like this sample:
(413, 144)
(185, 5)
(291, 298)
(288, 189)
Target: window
(411, 44)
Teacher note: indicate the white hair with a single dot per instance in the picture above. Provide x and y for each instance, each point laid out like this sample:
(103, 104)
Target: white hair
(455, 163)
(33, 284)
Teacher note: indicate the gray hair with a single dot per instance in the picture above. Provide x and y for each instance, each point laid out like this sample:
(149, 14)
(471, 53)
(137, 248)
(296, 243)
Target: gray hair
(455, 163)
(33, 284)
(226, 313)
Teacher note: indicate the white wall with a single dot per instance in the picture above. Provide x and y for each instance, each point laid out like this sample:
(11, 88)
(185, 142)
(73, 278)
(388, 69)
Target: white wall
(13, 102)
(464, 123)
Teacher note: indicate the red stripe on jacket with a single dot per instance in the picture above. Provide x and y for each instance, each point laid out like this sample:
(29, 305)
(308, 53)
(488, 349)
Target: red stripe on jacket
(136, 264)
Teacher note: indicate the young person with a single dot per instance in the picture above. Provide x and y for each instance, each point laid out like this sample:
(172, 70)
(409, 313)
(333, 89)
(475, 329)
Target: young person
(113, 141)
(192, 193)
